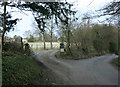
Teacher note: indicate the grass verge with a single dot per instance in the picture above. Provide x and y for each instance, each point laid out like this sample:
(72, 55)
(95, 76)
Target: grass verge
(116, 61)
(20, 70)
(46, 55)
(37, 50)
(74, 57)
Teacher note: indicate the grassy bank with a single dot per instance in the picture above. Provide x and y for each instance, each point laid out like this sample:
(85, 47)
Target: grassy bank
(116, 61)
(75, 57)
(19, 69)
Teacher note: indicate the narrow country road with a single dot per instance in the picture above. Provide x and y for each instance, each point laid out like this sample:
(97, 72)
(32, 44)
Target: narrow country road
(94, 71)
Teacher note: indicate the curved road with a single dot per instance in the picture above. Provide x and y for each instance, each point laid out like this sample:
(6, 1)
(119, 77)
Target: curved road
(94, 71)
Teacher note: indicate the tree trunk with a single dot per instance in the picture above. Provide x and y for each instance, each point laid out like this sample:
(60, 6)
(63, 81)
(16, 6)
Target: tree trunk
(68, 38)
(88, 24)
(119, 34)
(51, 31)
(118, 40)
(21, 43)
(4, 23)
(68, 41)
(0, 48)
(44, 40)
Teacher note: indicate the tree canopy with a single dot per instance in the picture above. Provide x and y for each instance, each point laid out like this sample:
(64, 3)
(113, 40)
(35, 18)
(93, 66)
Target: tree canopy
(45, 10)
(112, 8)
(9, 22)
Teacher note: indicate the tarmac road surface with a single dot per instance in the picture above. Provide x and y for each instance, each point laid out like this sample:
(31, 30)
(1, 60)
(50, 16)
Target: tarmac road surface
(94, 71)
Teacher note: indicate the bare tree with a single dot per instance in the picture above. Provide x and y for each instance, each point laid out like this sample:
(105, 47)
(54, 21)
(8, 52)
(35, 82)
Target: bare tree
(51, 31)
(44, 39)
(27, 33)
(4, 21)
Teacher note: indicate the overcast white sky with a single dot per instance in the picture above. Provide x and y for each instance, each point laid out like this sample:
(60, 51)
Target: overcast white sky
(82, 6)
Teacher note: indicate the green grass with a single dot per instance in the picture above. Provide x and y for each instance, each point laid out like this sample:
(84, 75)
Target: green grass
(117, 61)
(46, 55)
(37, 50)
(20, 70)
(75, 56)
(65, 56)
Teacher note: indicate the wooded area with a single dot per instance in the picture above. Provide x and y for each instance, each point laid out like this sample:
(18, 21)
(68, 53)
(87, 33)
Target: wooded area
(80, 39)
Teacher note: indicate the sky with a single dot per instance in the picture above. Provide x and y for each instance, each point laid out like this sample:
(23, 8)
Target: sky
(27, 19)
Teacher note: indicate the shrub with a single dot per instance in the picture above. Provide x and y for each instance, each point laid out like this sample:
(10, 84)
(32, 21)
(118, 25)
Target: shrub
(85, 50)
(98, 45)
(17, 48)
(13, 47)
(113, 47)
(6, 46)
(31, 39)
(27, 49)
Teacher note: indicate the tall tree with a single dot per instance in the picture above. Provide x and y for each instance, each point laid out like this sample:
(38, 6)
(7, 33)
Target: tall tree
(8, 23)
(68, 28)
(51, 31)
(42, 25)
(112, 9)
(27, 33)
(4, 22)
(48, 9)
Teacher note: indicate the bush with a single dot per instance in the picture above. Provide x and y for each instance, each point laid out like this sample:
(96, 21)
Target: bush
(85, 50)
(6, 46)
(27, 49)
(98, 45)
(31, 39)
(13, 47)
(113, 47)
(17, 48)
(117, 61)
